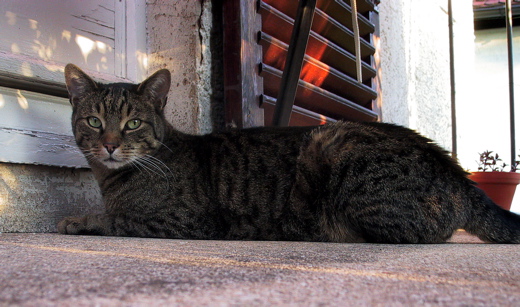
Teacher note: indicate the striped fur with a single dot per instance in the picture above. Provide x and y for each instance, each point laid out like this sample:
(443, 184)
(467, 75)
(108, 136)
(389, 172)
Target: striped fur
(345, 182)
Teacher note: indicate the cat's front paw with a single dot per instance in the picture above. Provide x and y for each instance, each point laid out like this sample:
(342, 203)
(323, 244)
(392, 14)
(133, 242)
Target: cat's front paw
(72, 225)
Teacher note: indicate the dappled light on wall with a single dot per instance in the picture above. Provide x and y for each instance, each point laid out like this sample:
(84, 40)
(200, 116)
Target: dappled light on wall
(11, 18)
(86, 45)
(142, 59)
(15, 48)
(45, 50)
(8, 183)
(22, 101)
(49, 34)
(26, 70)
(66, 35)
(378, 103)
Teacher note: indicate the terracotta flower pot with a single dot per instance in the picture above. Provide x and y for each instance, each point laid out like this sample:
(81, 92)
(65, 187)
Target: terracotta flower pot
(499, 186)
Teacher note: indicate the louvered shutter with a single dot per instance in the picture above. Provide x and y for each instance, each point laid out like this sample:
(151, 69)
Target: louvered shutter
(328, 88)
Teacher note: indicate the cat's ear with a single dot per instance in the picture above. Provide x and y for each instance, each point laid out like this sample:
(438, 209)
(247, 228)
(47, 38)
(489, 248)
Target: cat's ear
(78, 83)
(156, 87)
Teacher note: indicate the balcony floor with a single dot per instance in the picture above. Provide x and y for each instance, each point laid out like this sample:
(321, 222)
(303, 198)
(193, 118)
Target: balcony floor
(59, 270)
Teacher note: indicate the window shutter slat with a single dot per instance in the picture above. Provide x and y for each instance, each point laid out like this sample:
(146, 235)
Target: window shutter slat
(279, 25)
(331, 56)
(342, 13)
(299, 116)
(316, 99)
(337, 9)
(364, 7)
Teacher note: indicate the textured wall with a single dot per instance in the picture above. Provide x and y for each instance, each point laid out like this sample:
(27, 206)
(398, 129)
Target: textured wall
(178, 39)
(35, 198)
(415, 67)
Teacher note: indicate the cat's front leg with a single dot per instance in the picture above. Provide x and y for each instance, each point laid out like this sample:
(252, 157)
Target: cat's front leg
(86, 225)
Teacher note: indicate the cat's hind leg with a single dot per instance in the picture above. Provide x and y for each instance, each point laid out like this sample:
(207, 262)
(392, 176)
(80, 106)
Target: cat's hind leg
(314, 187)
(376, 189)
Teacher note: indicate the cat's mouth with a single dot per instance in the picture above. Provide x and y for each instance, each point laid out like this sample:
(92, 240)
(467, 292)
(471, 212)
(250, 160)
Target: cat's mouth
(115, 159)
(113, 163)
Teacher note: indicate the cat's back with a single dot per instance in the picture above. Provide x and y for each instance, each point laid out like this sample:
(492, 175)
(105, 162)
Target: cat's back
(253, 153)
(261, 142)
(373, 137)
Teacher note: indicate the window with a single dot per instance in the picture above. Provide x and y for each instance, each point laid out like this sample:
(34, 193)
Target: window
(37, 39)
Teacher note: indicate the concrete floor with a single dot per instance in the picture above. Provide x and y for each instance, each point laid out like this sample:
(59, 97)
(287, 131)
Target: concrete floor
(59, 270)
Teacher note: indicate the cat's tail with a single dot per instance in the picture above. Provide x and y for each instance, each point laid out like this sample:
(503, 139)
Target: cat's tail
(490, 222)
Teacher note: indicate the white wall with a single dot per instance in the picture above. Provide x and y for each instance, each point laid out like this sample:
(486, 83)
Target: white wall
(415, 67)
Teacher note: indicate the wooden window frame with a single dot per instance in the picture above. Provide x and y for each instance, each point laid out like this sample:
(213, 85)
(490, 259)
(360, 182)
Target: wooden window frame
(243, 85)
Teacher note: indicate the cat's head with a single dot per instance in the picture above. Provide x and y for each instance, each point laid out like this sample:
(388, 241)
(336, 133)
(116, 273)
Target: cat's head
(117, 124)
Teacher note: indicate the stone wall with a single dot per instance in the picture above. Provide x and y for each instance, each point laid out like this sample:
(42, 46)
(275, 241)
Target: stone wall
(35, 198)
(178, 39)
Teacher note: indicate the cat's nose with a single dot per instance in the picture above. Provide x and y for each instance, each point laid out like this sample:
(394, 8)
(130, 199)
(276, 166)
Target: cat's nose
(111, 147)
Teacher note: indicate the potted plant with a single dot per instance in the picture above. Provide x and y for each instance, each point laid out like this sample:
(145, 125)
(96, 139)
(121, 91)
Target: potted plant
(495, 180)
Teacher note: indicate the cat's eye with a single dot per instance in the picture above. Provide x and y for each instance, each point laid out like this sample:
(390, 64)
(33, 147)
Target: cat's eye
(133, 124)
(94, 122)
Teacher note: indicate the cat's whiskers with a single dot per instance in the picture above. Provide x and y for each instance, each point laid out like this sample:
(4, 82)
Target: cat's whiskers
(157, 163)
(89, 156)
(140, 166)
(165, 146)
(152, 165)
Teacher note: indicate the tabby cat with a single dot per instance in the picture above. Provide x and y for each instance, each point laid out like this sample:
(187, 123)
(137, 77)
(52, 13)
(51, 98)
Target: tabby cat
(343, 182)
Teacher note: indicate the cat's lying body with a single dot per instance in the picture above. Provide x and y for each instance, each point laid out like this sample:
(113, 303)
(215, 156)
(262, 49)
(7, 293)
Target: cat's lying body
(345, 182)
